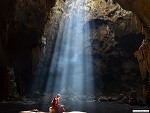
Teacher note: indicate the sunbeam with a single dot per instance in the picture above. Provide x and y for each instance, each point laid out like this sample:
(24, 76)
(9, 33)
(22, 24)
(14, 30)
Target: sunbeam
(72, 62)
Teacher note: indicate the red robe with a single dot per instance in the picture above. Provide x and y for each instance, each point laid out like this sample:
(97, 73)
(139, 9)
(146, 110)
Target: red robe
(56, 105)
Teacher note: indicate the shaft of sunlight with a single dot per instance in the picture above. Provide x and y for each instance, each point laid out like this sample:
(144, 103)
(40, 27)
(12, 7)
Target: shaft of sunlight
(72, 59)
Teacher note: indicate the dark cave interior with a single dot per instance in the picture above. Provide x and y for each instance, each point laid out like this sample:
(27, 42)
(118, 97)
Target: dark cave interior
(118, 46)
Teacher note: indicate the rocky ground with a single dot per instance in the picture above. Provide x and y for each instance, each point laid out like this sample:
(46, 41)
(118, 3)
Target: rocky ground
(102, 105)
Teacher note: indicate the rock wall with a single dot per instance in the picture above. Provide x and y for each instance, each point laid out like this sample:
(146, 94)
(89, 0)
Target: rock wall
(141, 9)
(23, 23)
(21, 28)
(114, 40)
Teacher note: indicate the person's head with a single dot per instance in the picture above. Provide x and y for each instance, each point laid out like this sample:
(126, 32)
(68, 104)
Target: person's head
(58, 96)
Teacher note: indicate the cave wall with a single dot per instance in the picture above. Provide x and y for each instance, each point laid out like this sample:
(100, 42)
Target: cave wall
(112, 37)
(22, 25)
(21, 28)
(141, 9)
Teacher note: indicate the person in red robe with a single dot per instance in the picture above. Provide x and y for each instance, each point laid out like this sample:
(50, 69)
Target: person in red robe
(56, 104)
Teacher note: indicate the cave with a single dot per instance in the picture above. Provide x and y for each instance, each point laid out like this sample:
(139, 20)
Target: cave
(94, 53)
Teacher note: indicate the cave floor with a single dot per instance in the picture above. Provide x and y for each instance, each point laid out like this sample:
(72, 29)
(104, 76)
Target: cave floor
(89, 107)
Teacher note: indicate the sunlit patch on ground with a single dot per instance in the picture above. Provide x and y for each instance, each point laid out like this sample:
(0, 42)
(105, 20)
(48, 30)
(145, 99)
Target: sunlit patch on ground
(36, 111)
(32, 111)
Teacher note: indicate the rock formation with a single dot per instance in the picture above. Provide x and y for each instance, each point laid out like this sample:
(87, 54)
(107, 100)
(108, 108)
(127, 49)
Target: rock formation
(112, 37)
(21, 28)
(141, 9)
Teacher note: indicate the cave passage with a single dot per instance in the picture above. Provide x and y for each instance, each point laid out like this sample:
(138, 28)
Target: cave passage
(71, 65)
